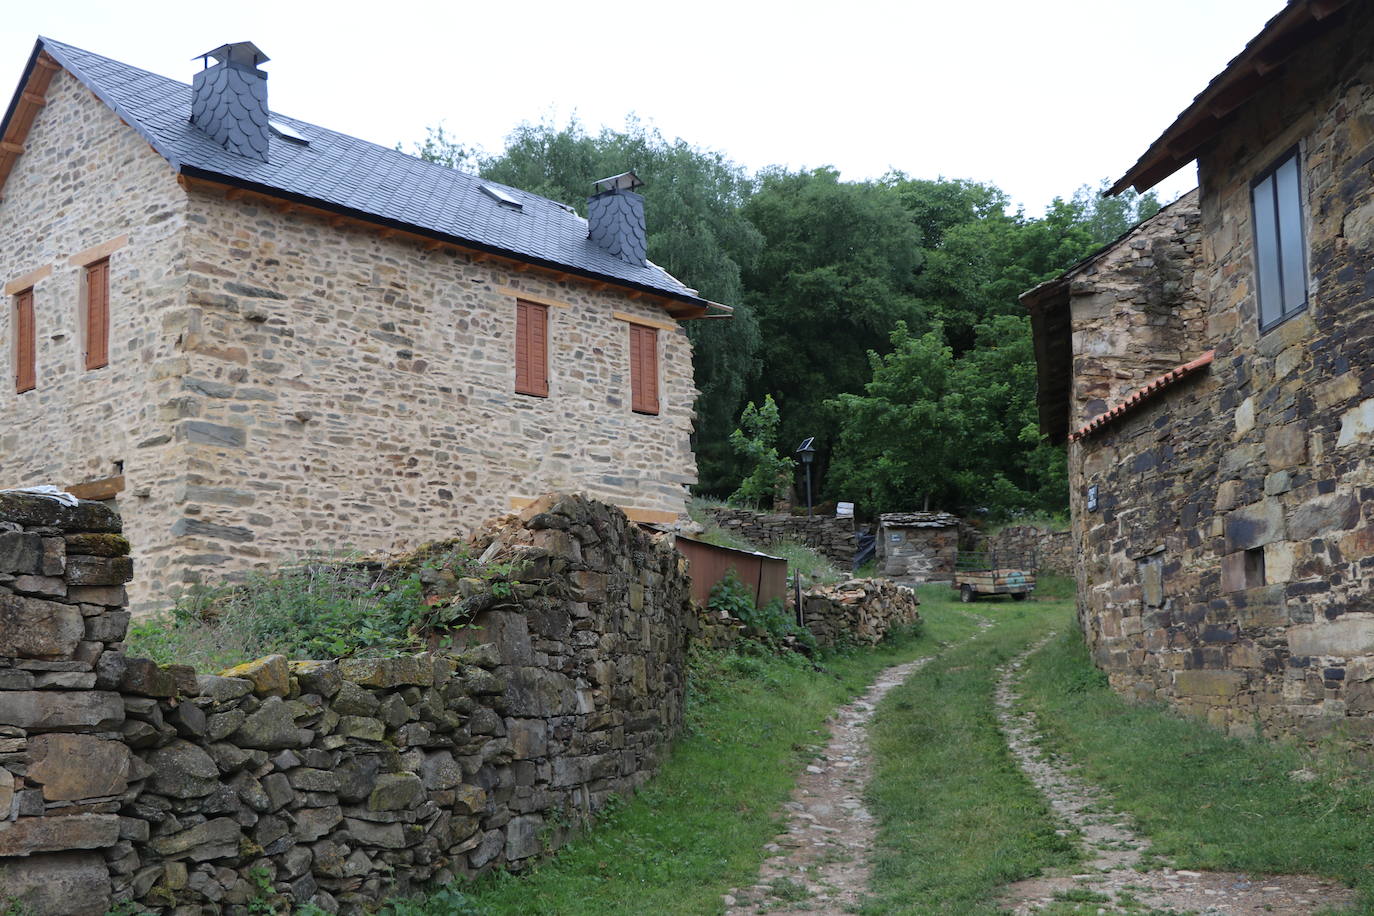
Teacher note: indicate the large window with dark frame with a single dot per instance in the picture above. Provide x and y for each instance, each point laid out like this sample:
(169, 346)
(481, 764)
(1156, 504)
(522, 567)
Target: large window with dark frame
(1280, 252)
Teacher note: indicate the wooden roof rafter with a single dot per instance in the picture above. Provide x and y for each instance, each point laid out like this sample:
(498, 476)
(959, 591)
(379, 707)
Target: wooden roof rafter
(33, 95)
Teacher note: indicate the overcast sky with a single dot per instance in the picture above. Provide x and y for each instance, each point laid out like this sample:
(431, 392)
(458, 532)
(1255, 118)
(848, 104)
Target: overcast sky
(1036, 96)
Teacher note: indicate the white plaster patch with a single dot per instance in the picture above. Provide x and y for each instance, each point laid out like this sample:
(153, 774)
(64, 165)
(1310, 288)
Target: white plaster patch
(1357, 423)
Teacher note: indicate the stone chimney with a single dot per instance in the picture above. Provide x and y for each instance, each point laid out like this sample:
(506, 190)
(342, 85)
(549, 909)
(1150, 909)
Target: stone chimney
(229, 99)
(615, 218)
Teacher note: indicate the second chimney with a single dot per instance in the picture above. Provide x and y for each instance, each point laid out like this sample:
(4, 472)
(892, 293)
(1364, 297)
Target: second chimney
(615, 218)
(229, 99)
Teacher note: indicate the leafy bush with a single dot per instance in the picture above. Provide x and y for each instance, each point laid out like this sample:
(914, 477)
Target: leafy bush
(756, 443)
(315, 610)
(770, 624)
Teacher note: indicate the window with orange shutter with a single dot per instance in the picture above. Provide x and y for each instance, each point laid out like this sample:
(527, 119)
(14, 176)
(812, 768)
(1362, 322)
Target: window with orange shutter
(643, 369)
(531, 349)
(98, 314)
(25, 344)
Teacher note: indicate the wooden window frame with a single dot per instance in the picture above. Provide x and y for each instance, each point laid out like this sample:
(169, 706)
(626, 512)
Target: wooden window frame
(24, 361)
(644, 370)
(1270, 174)
(95, 322)
(531, 348)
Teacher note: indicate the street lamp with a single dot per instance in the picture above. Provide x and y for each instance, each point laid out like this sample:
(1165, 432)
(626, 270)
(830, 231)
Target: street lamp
(807, 450)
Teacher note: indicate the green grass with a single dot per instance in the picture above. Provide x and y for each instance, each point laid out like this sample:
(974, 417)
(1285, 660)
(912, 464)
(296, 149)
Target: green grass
(1206, 800)
(699, 827)
(957, 819)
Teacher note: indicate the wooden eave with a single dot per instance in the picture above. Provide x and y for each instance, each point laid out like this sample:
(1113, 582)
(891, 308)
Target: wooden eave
(24, 108)
(1256, 66)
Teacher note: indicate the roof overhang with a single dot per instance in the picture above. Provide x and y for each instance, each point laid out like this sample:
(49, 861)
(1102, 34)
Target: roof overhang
(1255, 67)
(30, 97)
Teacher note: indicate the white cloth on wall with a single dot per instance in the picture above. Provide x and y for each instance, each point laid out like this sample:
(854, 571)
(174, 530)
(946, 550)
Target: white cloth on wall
(48, 491)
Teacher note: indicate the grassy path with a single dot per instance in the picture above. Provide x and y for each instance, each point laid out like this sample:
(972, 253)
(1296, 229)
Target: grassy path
(700, 827)
(957, 818)
(1206, 801)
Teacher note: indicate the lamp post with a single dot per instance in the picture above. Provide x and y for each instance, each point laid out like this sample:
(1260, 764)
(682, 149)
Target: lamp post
(807, 450)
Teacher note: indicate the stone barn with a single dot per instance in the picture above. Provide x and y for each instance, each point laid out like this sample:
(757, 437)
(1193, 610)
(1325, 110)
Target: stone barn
(918, 546)
(263, 338)
(1212, 374)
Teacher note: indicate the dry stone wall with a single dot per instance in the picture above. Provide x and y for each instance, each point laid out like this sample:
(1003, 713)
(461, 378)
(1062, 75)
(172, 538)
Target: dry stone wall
(1053, 549)
(336, 782)
(830, 536)
(858, 611)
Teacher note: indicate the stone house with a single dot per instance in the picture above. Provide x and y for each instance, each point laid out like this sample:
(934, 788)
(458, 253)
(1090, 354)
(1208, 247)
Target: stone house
(1212, 373)
(918, 546)
(261, 337)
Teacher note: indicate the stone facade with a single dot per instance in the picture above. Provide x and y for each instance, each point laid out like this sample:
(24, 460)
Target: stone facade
(337, 782)
(830, 536)
(282, 383)
(1227, 557)
(918, 546)
(1053, 550)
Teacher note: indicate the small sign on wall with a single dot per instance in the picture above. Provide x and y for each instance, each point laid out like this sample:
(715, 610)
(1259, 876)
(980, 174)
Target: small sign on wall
(844, 510)
(1092, 498)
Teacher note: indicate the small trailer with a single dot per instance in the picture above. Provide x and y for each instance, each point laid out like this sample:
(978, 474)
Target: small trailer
(987, 573)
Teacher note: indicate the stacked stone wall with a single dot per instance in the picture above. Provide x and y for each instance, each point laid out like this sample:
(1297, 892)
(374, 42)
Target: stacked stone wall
(1053, 550)
(916, 554)
(858, 611)
(830, 536)
(1228, 567)
(338, 782)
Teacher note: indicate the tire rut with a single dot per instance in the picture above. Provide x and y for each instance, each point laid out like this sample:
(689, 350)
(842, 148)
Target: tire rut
(1116, 847)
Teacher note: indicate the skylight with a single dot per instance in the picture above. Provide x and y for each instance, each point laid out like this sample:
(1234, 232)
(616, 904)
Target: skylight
(502, 198)
(287, 132)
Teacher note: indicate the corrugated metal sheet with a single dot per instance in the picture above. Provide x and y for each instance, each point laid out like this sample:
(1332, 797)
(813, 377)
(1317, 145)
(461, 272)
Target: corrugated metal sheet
(765, 576)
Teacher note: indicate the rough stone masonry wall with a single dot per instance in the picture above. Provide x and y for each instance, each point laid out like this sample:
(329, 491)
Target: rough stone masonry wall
(333, 781)
(342, 389)
(278, 384)
(918, 554)
(858, 611)
(85, 180)
(1266, 456)
(830, 536)
(1053, 549)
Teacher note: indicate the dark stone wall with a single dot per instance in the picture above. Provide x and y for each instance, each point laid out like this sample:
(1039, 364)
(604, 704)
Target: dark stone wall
(1228, 566)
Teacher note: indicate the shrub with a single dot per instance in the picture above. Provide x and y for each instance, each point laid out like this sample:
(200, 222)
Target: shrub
(770, 624)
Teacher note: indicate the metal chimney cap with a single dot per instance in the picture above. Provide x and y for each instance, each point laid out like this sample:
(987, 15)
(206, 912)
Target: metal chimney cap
(242, 55)
(625, 181)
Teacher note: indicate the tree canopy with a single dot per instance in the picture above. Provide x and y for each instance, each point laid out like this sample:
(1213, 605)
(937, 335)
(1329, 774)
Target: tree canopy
(880, 317)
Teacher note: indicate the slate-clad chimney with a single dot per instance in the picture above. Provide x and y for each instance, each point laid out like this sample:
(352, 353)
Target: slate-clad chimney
(615, 218)
(229, 99)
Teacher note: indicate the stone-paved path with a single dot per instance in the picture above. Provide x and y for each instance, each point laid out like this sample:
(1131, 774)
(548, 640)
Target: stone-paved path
(1116, 847)
(819, 866)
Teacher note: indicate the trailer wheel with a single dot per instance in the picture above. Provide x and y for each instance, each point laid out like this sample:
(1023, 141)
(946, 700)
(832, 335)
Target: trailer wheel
(966, 593)
(1018, 596)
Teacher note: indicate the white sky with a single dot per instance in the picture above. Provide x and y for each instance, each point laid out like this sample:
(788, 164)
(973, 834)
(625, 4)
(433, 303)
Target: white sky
(1036, 96)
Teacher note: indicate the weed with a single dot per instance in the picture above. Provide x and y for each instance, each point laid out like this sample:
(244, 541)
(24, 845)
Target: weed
(770, 624)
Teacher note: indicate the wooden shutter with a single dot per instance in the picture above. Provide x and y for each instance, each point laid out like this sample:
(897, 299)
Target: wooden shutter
(98, 314)
(25, 339)
(643, 369)
(531, 349)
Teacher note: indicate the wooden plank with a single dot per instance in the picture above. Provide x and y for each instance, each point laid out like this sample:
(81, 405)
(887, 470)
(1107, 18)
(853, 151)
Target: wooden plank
(105, 488)
(532, 297)
(28, 280)
(98, 252)
(645, 322)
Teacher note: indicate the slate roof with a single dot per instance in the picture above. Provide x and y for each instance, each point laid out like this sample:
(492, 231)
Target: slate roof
(918, 520)
(355, 177)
